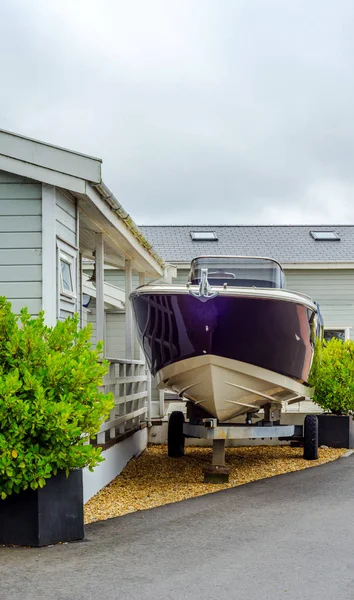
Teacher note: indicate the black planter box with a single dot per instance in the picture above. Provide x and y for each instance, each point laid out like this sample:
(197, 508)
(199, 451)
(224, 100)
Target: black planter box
(335, 431)
(52, 514)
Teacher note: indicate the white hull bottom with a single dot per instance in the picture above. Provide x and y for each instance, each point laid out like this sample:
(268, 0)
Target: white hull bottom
(227, 388)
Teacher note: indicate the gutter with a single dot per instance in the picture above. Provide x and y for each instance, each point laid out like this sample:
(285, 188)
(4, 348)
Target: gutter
(116, 206)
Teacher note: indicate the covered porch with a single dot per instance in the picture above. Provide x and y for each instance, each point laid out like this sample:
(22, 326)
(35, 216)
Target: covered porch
(68, 246)
(110, 269)
(114, 260)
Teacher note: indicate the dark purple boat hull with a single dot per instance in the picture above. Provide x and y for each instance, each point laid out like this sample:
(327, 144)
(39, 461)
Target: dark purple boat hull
(269, 333)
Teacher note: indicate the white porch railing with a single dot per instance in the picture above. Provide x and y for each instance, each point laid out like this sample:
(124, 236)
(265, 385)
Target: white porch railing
(129, 382)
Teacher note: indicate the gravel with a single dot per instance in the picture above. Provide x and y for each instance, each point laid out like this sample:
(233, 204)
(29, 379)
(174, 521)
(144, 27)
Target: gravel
(154, 479)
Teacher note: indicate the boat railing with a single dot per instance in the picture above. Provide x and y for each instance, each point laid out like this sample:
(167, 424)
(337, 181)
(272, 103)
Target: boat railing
(299, 294)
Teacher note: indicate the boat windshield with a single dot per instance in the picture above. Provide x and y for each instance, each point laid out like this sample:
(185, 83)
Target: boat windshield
(238, 271)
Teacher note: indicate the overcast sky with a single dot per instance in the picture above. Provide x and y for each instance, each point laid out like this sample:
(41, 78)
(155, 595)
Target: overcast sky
(203, 111)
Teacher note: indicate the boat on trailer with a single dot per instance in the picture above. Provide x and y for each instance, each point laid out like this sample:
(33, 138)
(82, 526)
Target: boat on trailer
(230, 341)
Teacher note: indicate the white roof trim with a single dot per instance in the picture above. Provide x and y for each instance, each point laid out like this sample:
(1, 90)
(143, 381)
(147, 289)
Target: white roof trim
(18, 167)
(50, 157)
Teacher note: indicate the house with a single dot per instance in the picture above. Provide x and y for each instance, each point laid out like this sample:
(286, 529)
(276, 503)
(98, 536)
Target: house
(318, 260)
(56, 216)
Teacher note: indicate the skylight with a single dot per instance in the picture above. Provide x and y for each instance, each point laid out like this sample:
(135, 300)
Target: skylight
(203, 235)
(324, 235)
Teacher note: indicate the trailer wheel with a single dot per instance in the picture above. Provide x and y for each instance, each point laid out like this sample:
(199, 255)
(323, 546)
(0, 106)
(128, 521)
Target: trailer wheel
(311, 437)
(175, 436)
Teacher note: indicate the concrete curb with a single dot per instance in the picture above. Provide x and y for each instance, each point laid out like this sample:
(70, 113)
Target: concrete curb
(349, 453)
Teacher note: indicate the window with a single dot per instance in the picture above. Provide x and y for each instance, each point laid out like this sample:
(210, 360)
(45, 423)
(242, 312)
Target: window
(203, 235)
(67, 274)
(238, 271)
(325, 235)
(337, 332)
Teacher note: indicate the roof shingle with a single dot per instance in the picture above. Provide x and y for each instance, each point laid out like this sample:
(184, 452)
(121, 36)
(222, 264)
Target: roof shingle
(285, 243)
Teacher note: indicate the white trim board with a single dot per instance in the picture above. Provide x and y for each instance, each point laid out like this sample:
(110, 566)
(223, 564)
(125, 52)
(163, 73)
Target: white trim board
(50, 157)
(49, 255)
(42, 174)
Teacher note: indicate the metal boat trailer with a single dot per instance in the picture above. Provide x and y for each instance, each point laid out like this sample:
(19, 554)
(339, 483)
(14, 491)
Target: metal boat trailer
(219, 433)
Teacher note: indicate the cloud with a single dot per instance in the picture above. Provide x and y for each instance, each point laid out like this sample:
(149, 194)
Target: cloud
(203, 111)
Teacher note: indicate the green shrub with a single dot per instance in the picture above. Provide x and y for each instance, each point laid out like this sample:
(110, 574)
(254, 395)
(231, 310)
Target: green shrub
(334, 377)
(49, 399)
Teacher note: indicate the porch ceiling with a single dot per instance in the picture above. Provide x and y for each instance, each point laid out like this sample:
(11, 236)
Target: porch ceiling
(117, 245)
(87, 231)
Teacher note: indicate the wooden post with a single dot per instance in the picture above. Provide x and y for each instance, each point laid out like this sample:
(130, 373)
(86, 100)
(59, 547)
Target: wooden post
(141, 282)
(129, 339)
(99, 288)
(148, 374)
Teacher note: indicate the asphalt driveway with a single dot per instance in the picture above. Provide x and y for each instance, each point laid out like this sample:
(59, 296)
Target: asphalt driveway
(290, 536)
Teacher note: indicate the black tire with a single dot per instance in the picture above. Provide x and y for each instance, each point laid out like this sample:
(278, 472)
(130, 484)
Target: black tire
(175, 436)
(311, 437)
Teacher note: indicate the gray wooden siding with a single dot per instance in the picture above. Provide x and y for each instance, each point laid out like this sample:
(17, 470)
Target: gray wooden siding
(155, 393)
(64, 314)
(80, 308)
(67, 232)
(6, 177)
(117, 278)
(332, 289)
(21, 242)
(19, 257)
(66, 218)
(114, 321)
(114, 332)
(115, 335)
(67, 309)
(84, 317)
(182, 276)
